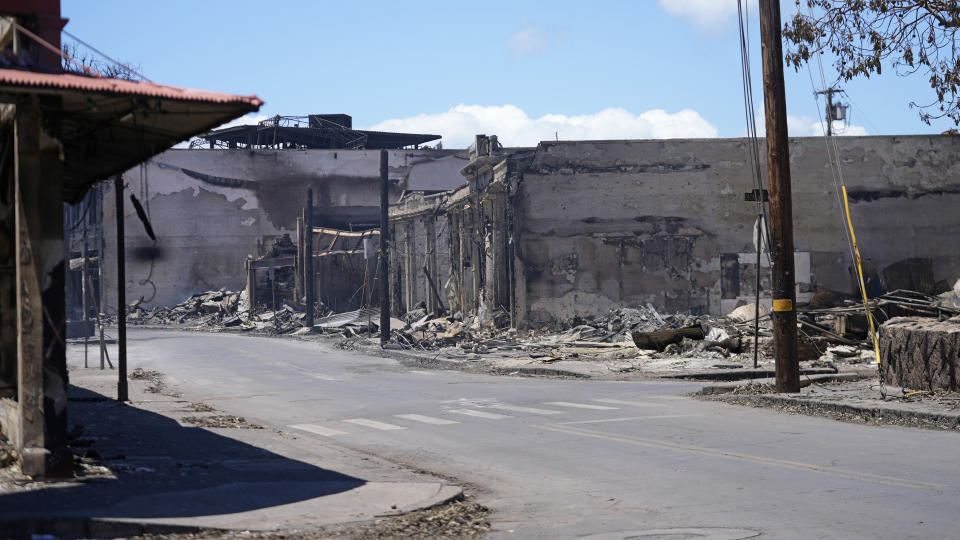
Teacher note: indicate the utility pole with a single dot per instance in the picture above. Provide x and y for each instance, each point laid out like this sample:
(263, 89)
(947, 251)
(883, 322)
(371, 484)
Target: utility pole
(122, 394)
(829, 92)
(308, 259)
(384, 269)
(781, 212)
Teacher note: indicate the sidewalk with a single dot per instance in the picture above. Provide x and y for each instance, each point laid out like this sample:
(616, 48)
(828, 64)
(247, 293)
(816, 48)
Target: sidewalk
(143, 468)
(849, 399)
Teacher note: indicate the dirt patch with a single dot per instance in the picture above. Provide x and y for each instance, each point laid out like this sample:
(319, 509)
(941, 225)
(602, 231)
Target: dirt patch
(200, 407)
(220, 421)
(460, 519)
(155, 378)
(753, 388)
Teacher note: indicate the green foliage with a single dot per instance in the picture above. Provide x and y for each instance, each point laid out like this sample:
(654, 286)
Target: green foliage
(912, 35)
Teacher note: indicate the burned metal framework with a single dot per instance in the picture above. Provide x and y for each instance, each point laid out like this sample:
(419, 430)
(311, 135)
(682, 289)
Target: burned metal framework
(315, 131)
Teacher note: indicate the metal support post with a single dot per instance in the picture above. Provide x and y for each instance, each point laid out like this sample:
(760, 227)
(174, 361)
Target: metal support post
(122, 393)
(384, 255)
(308, 260)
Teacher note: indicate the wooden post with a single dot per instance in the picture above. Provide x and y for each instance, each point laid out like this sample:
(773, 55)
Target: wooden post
(122, 394)
(41, 436)
(781, 213)
(83, 289)
(300, 269)
(309, 261)
(384, 263)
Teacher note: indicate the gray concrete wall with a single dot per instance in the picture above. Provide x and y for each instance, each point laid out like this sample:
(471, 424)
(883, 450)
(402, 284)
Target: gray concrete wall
(210, 208)
(607, 223)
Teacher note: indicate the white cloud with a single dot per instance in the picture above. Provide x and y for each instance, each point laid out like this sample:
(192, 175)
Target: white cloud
(804, 126)
(529, 39)
(515, 128)
(249, 118)
(707, 14)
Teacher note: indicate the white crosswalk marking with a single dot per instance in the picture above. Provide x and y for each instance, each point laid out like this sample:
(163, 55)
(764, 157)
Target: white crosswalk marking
(530, 410)
(581, 406)
(626, 402)
(319, 430)
(373, 424)
(426, 419)
(480, 414)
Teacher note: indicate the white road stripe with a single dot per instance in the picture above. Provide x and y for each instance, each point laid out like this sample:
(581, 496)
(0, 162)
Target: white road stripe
(626, 402)
(480, 414)
(628, 418)
(530, 410)
(319, 430)
(421, 372)
(426, 419)
(581, 406)
(373, 424)
(323, 377)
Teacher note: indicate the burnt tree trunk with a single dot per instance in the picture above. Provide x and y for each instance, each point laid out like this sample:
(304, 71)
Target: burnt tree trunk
(921, 354)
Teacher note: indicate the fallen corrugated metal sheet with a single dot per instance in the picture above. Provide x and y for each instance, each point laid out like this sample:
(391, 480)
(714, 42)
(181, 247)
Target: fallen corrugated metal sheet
(360, 316)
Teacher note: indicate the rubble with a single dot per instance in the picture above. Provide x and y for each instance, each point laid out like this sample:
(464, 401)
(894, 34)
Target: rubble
(833, 333)
(220, 309)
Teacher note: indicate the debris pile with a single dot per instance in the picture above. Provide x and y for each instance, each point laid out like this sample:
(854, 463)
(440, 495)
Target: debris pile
(833, 329)
(218, 310)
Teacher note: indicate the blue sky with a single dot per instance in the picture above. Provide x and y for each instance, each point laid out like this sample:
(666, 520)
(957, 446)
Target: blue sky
(523, 70)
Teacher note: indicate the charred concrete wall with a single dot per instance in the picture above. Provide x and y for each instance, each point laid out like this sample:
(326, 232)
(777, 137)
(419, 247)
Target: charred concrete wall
(420, 263)
(212, 208)
(627, 222)
(581, 227)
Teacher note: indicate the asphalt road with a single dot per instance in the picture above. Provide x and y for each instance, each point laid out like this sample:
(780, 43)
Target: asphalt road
(570, 458)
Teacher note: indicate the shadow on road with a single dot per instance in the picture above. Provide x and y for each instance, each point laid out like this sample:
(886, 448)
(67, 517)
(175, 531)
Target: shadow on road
(166, 470)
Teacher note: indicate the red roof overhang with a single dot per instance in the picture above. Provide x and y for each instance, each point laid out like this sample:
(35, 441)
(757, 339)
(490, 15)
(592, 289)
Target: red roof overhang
(107, 126)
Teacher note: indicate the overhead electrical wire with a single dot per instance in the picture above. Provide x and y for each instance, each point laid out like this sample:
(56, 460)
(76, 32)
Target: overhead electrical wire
(753, 142)
(836, 170)
(753, 145)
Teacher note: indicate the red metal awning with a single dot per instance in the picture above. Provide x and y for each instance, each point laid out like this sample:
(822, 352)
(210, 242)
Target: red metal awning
(68, 81)
(107, 126)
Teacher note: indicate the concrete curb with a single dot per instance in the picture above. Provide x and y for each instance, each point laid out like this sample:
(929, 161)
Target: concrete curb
(726, 388)
(869, 412)
(89, 527)
(66, 527)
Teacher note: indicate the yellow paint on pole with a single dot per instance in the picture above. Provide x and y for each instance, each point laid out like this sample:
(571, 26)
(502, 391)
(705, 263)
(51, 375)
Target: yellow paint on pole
(863, 288)
(783, 305)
